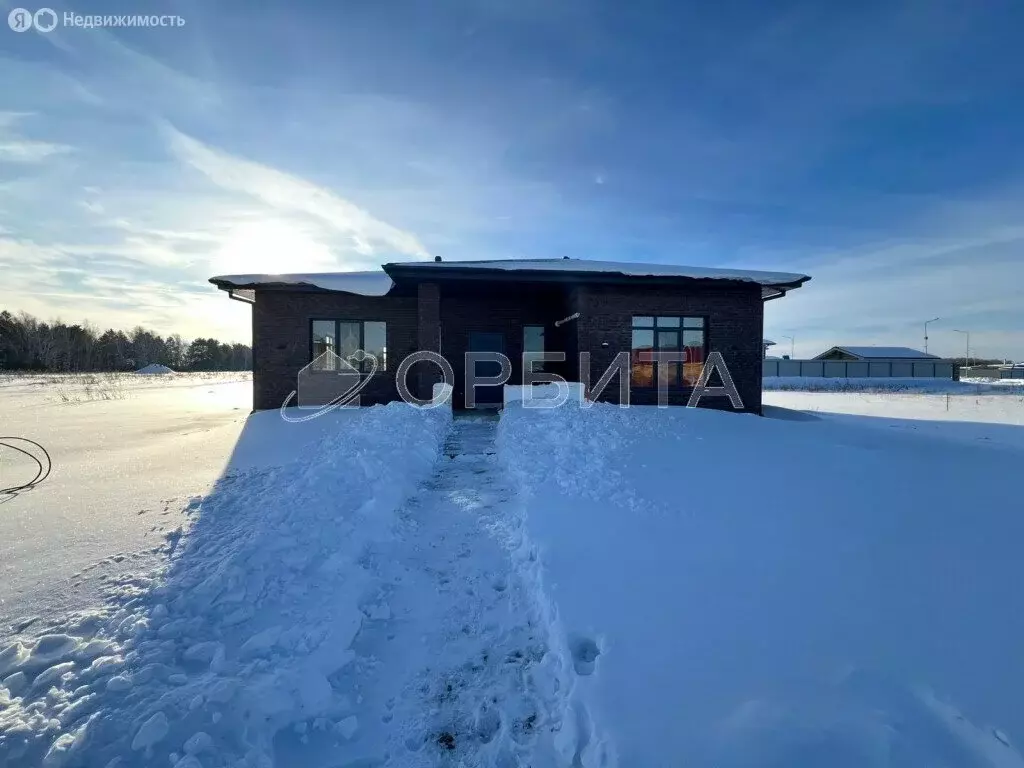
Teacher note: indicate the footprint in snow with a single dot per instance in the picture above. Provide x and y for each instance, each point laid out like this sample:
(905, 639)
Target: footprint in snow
(584, 652)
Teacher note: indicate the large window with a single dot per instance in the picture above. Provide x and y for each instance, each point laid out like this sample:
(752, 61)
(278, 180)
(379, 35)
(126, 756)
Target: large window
(345, 338)
(533, 347)
(687, 335)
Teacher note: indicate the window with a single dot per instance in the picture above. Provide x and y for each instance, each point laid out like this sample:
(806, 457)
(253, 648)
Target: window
(687, 335)
(345, 338)
(533, 345)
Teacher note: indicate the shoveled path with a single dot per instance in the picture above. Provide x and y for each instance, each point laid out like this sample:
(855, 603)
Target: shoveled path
(452, 661)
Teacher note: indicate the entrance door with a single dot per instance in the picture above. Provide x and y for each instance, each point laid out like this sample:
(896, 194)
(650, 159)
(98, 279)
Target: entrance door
(485, 341)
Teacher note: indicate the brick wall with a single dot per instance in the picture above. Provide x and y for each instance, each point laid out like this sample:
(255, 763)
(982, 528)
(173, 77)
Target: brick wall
(497, 310)
(281, 331)
(735, 328)
(281, 338)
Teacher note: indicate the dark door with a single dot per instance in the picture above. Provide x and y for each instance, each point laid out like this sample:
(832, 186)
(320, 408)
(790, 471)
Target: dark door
(485, 341)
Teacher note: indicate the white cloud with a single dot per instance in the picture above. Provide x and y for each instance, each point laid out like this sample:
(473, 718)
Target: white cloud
(8, 119)
(29, 151)
(38, 279)
(290, 194)
(14, 148)
(883, 293)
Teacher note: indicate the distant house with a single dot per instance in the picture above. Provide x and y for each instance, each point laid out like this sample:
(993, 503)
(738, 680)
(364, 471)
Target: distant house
(1004, 371)
(856, 354)
(866, 362)
(571, 306)
(765, 343)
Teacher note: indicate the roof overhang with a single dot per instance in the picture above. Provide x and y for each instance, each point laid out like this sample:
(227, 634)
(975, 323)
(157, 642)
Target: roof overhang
(773, 285)
(433, 271)
(244, 287)
(248, 295)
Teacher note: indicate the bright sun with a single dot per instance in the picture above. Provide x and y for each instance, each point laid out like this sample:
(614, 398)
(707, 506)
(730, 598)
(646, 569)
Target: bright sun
(272, 247)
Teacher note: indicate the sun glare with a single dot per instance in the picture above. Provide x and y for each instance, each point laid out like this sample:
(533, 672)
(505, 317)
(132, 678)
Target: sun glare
(270, 247)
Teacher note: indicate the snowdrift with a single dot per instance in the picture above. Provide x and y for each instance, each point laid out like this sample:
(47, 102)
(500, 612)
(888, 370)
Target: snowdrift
(244, 633)
(743, 591)
(154, 369)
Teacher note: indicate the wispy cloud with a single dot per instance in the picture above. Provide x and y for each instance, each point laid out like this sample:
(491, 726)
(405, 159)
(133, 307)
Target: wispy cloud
(291, 194)
(14, 148)
(863, 147)
(29, 151)
(966, 272)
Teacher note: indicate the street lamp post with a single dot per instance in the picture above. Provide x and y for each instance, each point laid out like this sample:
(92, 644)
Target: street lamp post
(926, 332)
(792, 347)
(967, 357)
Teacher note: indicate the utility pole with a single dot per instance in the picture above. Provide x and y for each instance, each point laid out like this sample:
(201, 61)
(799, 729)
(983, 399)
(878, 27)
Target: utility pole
(967, 357)
(926, 332)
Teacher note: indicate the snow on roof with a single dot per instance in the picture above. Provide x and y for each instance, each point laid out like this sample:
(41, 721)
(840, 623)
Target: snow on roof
(869, 352)
(378, 283)
(627, 268)
(373, 283)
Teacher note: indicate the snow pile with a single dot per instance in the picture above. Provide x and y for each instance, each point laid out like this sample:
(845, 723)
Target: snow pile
(533, 393)
(742, 591)
(249, 628)
(154, 369)
(1001, 383)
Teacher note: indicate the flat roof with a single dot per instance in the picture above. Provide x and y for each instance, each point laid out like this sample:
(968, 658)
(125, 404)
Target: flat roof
(620, 268)
(380, 282)
(373, 283)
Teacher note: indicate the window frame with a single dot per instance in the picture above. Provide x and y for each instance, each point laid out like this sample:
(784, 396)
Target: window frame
(536, 366)
(680, 331)
(363, 366)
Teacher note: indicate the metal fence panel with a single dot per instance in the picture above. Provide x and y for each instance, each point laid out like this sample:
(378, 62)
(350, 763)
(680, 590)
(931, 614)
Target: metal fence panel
(881, 370)
(902, 370)
(856, 369)
(834, 370)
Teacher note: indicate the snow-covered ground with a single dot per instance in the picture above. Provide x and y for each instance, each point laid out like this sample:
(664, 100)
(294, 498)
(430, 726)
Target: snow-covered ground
(828, 586)
(129, 452)
(798, 590)
(975, 386)
(243, 633)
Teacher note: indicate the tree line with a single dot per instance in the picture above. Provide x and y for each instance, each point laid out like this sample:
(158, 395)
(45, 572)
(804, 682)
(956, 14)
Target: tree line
(29, 344)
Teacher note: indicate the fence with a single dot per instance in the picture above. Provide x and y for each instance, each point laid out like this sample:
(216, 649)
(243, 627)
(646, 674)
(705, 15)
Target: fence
(1012, 373)
(863, 369)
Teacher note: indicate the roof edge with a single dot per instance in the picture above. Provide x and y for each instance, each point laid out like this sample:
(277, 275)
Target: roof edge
(420, 271)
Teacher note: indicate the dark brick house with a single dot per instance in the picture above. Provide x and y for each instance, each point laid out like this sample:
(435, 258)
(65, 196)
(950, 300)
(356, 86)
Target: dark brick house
(558, 305)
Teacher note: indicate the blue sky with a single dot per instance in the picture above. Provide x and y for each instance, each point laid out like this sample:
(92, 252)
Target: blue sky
(874, 146)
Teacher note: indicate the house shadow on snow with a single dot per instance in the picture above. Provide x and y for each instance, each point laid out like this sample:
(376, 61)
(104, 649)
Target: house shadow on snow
(787, 414)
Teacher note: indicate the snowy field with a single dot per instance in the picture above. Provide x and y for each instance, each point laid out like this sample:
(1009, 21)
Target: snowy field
(810, 589)
(128, 453)
(976, 386)
(833, 585)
